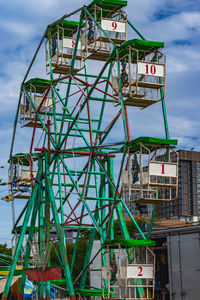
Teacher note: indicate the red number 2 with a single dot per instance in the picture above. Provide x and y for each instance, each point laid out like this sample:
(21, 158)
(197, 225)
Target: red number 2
(114, 25)
(140, 272)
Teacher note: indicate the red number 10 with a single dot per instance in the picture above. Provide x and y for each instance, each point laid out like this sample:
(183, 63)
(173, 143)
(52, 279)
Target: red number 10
(152, 69)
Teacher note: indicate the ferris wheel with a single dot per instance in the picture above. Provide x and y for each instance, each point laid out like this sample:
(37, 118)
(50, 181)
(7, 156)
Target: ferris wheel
(82, 164)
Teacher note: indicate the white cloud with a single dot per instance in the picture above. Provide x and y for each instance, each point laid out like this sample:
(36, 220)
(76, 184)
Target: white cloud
(19, 28)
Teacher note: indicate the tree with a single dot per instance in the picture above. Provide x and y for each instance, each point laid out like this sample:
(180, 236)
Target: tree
(5, 251)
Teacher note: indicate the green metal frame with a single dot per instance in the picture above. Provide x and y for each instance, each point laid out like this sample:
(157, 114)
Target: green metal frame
(76, 135)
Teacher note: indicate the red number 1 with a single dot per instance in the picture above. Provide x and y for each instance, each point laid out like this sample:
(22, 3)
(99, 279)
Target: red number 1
(140, 272)
(163, 169)
(147, 69)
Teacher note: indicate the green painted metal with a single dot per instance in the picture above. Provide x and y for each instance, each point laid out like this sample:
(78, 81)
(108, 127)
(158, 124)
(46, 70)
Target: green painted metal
(150, 143)
(28, 247)
(71, 71)
(38, 84)
(153, 140)
(109, 7)
(41, 231)
(129, 243)
(80, 226)
(60, 234)
(142, 44)
(19, 244)
(107, 3)
(121, 98)
(68, 26)
(20, 216)
(151, 222)
(92, 292)
(77, 187)
(104, 98)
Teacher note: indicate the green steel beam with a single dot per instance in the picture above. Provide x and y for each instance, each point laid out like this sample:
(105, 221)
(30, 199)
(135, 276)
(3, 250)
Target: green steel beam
(21, 238)
(70, 78)
(88, 96)
(104, 98)
(74, 122)
(82, 212)
(121, 98)
(60, 233)
(20, 216)
(82, 198)
(28, 248)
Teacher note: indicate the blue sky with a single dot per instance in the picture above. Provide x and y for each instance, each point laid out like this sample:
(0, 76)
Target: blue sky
(175, 22)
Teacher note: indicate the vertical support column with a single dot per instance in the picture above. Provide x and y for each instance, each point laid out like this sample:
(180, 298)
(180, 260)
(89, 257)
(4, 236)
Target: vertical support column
(102, 212)
(41, 234)
(47, 209)
(89, 251)
(122, 100)
(111, 194)
(20, 241)
(82, 212)
(87, 257)
(28, 249)
(110, 191)
(102, 191)
(59, 231)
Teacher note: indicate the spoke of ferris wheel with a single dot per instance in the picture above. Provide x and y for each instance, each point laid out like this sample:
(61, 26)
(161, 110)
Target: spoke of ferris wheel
(84, 102)
(70, 78)
(80, 195)
(81, 133)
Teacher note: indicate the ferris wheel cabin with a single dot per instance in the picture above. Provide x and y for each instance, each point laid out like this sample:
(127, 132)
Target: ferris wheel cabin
(152, 173)
(139, 74)
(128, 270)
(20, 175)
(105, 26)
(37, 96)
(60, 44)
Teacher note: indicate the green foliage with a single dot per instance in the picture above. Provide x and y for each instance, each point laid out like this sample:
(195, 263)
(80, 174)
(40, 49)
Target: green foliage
(130, 226)
(79, 259)
(6, 251)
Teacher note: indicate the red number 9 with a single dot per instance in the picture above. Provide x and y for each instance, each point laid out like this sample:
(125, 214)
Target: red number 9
(114, 25)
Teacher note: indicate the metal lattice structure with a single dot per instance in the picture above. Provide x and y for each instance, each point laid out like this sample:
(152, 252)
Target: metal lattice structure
(92, 69)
